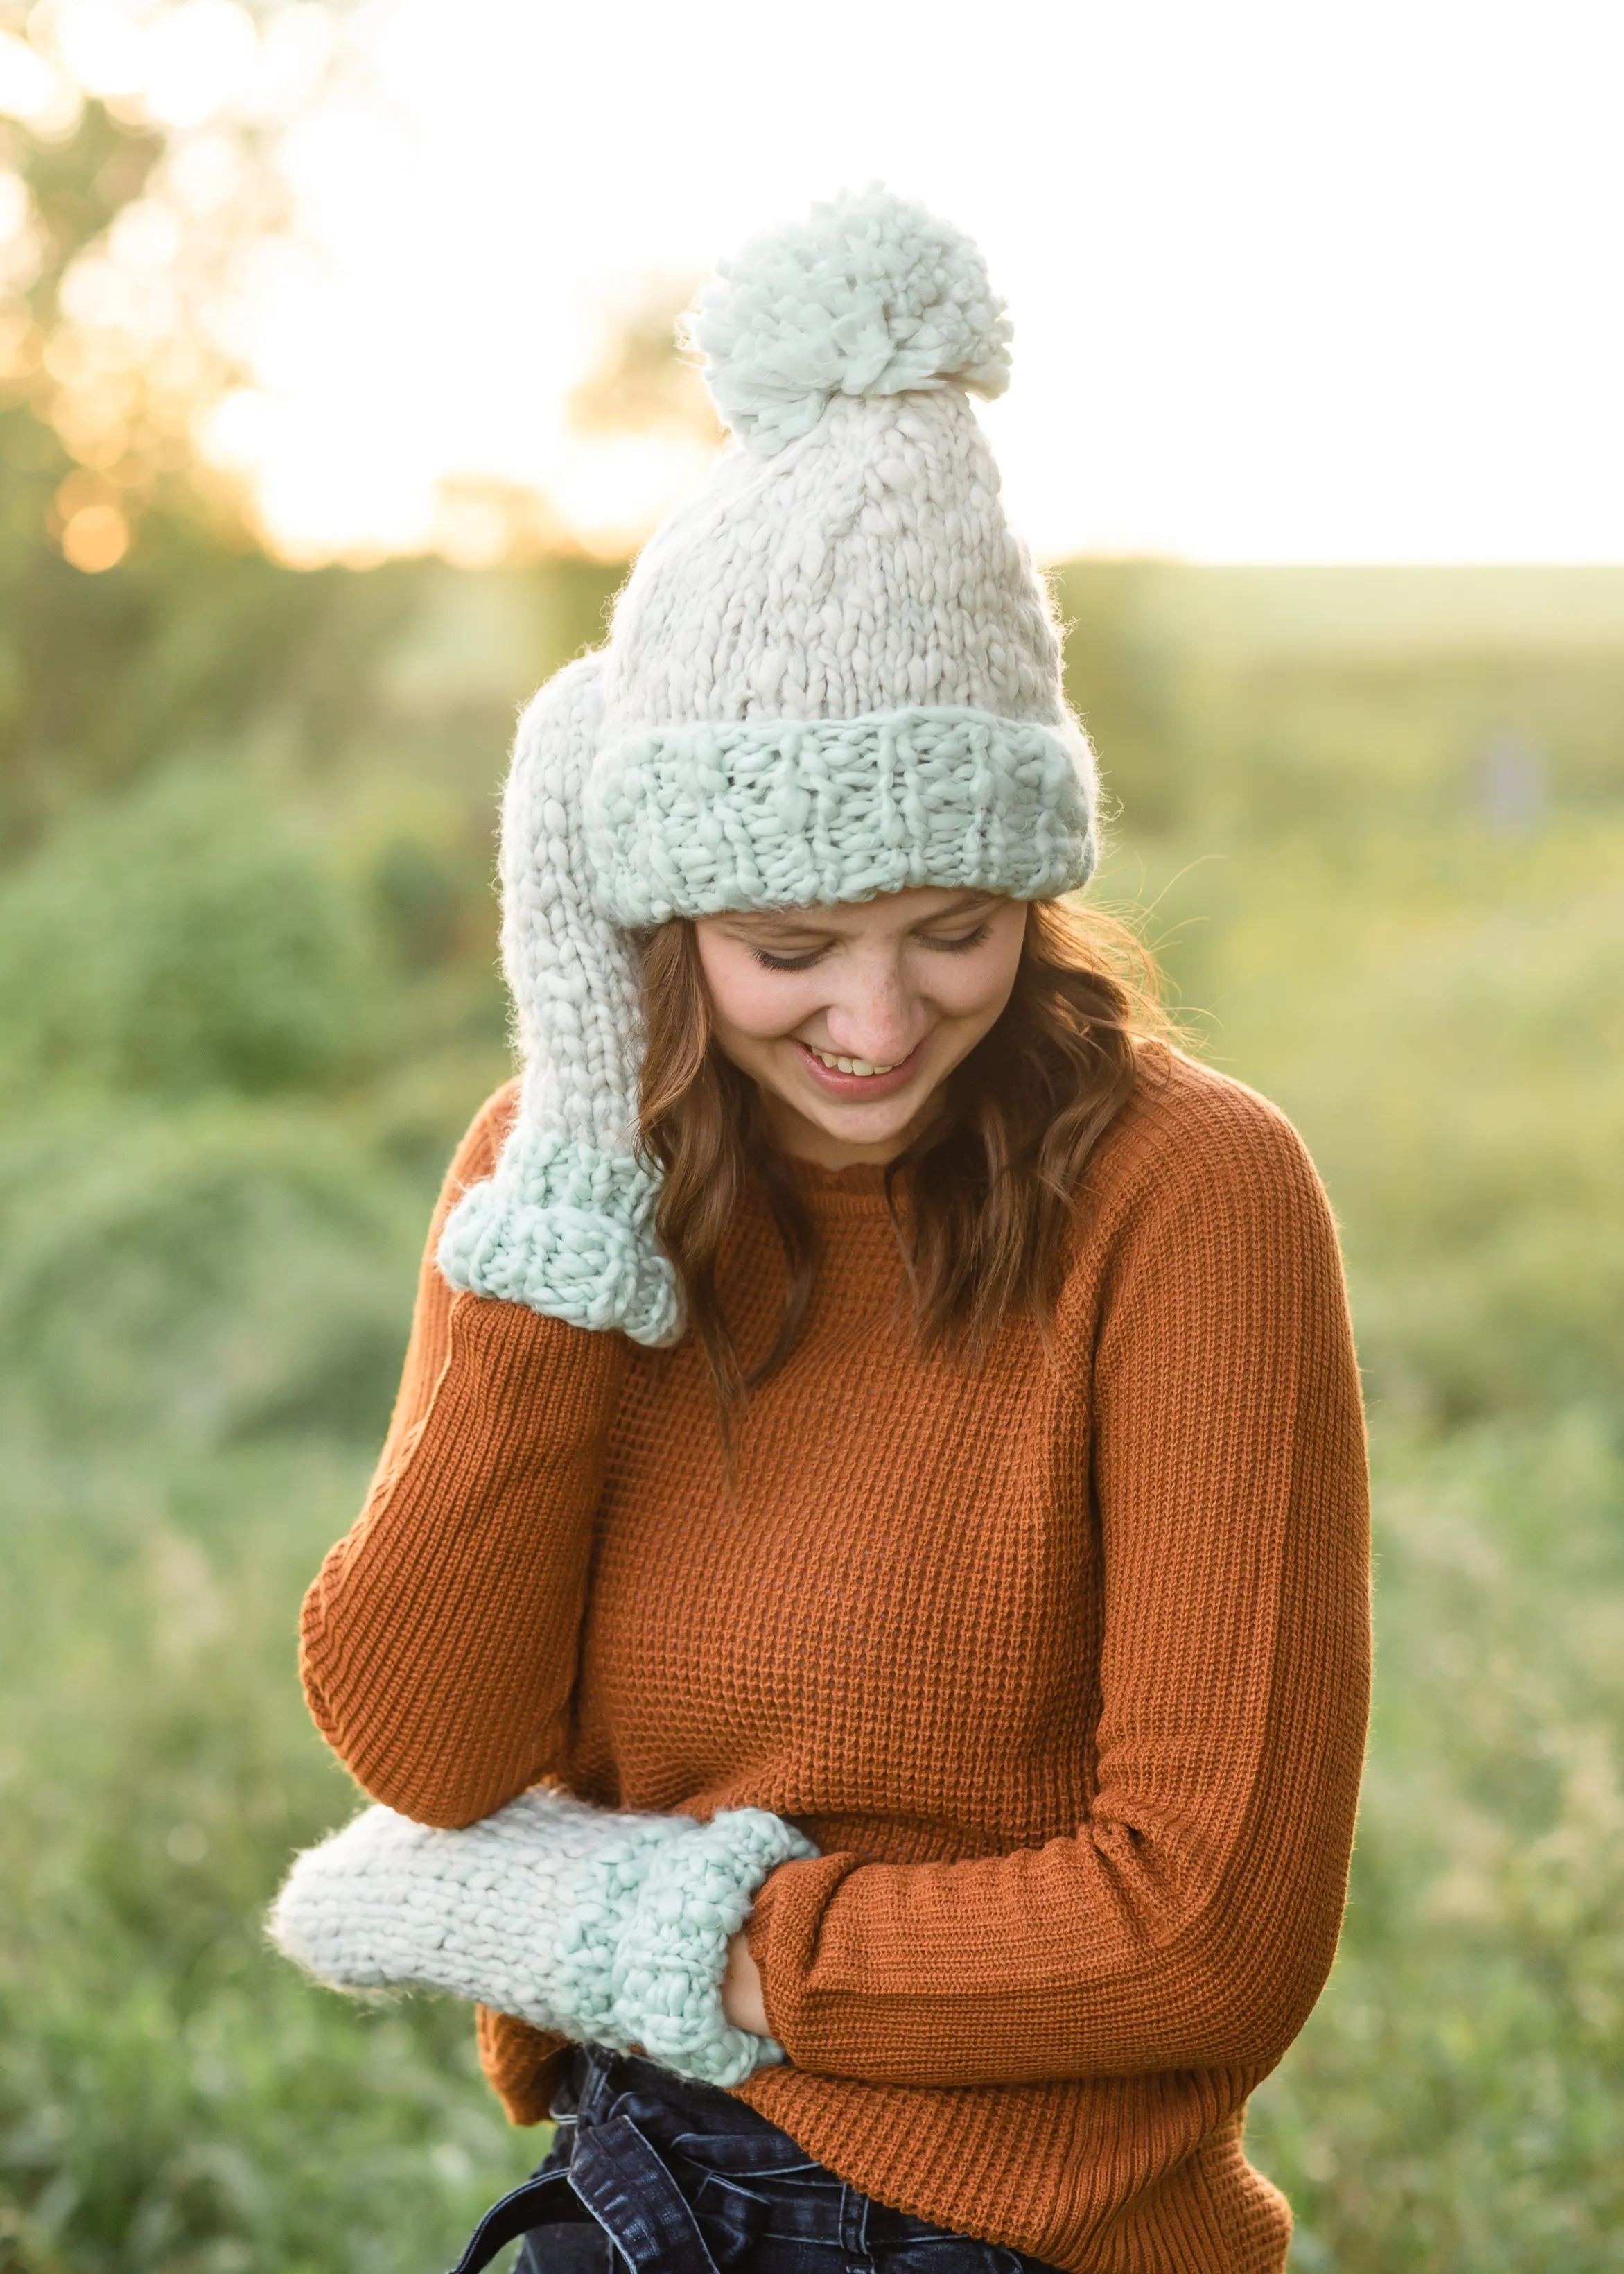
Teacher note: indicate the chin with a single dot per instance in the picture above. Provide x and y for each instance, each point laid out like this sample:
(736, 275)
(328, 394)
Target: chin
(861, 1128)
(863, 1125)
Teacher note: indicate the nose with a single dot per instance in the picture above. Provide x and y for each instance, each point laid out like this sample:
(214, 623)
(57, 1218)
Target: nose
(873, 1017)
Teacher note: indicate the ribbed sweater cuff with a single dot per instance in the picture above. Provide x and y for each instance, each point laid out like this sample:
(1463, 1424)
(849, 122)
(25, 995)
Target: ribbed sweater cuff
(783, 1936)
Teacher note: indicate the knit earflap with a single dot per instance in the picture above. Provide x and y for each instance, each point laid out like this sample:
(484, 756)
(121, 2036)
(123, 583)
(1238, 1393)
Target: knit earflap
(871, 294)
(567, 1223)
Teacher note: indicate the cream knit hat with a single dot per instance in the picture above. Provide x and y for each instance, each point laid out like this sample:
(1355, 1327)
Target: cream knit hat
(833, 673)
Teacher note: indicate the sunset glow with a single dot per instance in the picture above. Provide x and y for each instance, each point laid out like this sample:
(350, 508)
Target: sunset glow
(1288, 283)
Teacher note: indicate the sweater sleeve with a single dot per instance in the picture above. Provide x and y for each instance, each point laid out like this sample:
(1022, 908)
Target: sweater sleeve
(1191, 1919)
(438, 1640)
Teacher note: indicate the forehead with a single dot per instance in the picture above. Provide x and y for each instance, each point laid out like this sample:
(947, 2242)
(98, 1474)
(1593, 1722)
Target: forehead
(853, 919)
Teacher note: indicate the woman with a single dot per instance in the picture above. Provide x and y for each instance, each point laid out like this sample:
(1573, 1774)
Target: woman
(866, 1584)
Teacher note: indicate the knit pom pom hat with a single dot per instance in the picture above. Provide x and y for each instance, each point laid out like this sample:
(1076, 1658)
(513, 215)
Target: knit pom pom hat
(833, 673)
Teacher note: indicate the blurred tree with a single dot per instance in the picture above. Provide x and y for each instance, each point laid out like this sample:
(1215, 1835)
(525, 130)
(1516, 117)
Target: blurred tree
(59, 197)
(138, 618)
(181, 938)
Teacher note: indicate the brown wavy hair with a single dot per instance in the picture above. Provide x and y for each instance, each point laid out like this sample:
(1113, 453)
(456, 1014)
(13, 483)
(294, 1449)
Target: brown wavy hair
(982, 1203)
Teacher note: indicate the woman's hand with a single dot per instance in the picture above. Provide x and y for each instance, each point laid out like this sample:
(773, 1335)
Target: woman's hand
(742, 2001)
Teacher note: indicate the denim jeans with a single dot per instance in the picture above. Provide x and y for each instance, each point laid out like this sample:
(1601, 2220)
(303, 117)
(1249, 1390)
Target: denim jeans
(674, 2178)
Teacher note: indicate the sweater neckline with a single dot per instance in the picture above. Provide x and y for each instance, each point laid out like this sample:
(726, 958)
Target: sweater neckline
(862, 1186)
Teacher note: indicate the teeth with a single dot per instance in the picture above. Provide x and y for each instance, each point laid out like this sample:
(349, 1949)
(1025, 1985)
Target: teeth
(852, 1066)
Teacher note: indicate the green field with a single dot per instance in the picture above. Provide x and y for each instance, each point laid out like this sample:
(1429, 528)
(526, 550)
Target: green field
(1373, 820)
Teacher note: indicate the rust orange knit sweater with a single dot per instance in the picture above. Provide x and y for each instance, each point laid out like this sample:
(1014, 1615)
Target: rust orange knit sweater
(1062, 1663)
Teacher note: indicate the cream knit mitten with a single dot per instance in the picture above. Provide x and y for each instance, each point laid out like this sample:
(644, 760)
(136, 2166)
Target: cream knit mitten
(566, 1225)
(610, 1929)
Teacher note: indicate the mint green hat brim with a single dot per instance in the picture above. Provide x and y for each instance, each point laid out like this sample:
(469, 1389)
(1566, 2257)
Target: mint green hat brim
(704, 818)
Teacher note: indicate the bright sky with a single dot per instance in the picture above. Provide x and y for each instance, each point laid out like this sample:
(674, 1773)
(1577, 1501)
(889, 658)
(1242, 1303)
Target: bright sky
(1291, 279)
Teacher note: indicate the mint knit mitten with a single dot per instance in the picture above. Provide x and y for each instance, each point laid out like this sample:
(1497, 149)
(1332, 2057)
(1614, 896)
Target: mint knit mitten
(566, 1225)
(611, 1930)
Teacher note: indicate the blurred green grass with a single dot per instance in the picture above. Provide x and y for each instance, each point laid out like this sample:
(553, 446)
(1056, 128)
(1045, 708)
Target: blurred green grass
(248, 999)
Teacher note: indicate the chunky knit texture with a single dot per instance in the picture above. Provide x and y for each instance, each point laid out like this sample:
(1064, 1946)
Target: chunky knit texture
(610, 1929)
(834, 674)
(1060, 1663)
(760, 813)
(868, 296)
(567, 1223)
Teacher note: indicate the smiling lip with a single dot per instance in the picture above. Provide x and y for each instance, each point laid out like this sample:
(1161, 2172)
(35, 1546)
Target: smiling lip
(848, 1087)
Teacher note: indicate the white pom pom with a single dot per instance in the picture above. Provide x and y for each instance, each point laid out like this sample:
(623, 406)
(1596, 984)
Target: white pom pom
(871, 294)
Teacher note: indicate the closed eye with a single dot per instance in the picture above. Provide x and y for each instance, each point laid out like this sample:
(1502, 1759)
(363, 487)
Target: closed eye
(807, 957)
(771, 962)
(958, 946)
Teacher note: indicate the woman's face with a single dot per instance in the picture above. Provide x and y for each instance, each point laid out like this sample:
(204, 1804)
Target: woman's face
(850, 1019)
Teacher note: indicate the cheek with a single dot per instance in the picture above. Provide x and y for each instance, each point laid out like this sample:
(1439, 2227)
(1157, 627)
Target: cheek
(747, 997)
(979, 985)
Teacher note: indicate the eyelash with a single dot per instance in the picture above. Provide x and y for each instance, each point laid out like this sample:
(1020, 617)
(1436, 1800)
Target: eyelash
(805, 962)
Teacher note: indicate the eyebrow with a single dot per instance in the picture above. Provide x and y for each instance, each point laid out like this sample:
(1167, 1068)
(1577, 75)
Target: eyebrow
(805, 920)
(963, 906)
